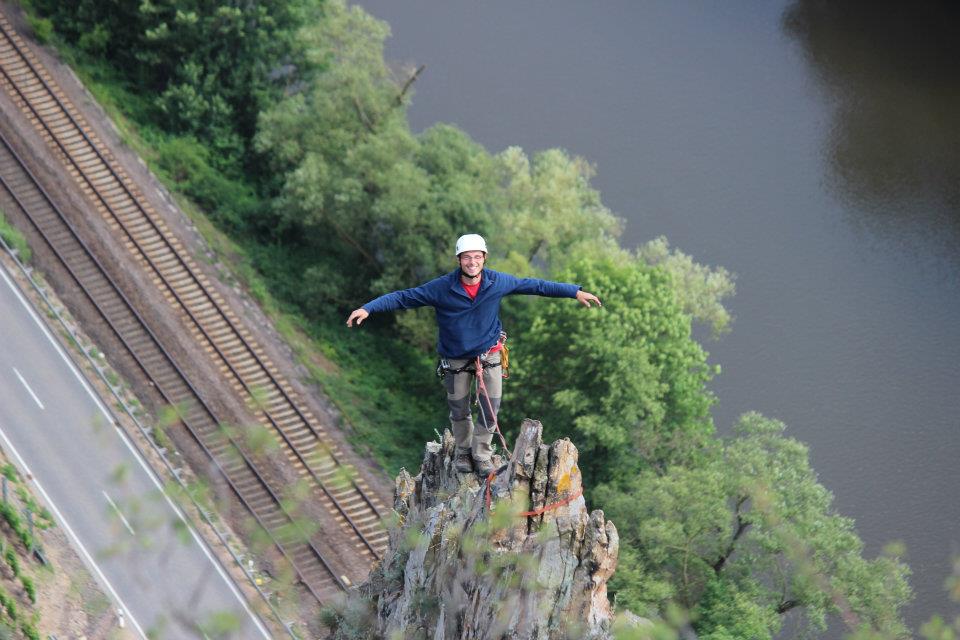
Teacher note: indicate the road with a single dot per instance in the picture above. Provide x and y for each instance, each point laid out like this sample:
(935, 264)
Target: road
(102, 492)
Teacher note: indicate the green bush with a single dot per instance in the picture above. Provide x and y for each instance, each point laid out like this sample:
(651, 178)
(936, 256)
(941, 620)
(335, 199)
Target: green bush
(190, 164)
(9, 513)
(10, 555)
(14, 239)
(42, 519)
(29, 587)
(42, 28)
(95, 41)
(9, 472)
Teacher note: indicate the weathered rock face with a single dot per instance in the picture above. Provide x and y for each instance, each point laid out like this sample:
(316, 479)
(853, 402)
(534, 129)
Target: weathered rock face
(468, 562)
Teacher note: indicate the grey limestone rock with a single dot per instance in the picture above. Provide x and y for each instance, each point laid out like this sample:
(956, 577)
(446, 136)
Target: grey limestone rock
(464, 561)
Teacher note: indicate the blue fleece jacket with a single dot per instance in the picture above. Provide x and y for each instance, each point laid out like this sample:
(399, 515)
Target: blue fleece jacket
(467, 328)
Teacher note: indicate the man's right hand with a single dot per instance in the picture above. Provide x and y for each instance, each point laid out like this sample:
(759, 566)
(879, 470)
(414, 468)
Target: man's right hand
(358, 315)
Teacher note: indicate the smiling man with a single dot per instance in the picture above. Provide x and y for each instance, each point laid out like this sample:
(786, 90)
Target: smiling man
(467, 303)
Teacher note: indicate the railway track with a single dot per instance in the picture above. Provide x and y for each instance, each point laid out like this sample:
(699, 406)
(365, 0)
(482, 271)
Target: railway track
(215, 327)
(146, 351)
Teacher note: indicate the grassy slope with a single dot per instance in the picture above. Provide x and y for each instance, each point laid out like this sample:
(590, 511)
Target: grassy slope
(384, 391)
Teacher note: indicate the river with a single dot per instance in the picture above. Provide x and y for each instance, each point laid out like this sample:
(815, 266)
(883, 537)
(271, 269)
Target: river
(813, 150)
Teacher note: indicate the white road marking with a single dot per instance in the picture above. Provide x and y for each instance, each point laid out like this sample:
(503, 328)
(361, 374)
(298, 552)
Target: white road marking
(32, 394)
(143, 463)
(119, 513)
(73, 536)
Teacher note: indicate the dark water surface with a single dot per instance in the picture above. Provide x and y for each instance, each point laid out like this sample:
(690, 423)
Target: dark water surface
(813, 151)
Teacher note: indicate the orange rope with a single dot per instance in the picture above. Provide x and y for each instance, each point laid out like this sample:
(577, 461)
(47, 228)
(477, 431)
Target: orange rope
(482, 390)
(553, 505)
(493, 474)
(536, 512)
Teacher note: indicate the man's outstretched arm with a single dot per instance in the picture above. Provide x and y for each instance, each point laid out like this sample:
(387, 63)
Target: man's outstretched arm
(421, 296)
(550, 289)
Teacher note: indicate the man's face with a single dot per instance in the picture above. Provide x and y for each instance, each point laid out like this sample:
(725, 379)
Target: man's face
(471, 263)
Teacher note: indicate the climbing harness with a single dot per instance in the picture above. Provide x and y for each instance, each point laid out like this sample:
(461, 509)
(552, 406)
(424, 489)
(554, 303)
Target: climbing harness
(476, 367)
(443, 365)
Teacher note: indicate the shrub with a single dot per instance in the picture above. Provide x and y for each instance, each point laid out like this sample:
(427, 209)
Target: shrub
(190, 165)
(29, 587)
(10, 514)
(12, 236)
(42, 29)
(10, 555)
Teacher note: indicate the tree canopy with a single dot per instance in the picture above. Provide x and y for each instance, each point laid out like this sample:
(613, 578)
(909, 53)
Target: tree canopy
(212, 67)
(747, 535)
(627, 377)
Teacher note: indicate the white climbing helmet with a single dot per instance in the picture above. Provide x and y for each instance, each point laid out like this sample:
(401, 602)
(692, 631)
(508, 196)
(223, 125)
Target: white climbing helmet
(471, 242)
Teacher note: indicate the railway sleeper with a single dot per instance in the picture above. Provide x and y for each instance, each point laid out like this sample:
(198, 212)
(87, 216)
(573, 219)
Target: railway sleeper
(83, 157)
(154, 247)
(138, 226)
(246, 372)
(96, 171)
(324, 468)
(125, 210)
(31, 89)
(63, 126)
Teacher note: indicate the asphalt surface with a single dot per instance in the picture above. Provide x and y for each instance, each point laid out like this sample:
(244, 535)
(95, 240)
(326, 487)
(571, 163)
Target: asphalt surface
(163, 579)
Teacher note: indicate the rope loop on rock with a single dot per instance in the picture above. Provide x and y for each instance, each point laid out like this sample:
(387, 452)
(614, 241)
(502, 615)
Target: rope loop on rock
(535, 512)
(553, 505)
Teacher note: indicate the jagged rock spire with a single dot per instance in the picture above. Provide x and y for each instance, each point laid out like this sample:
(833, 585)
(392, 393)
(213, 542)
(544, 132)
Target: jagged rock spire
(464, 564)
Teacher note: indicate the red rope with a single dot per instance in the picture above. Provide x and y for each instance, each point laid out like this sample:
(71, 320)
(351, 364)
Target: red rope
(552, 505)
(536, 512)
(493, 474)
(482, 390)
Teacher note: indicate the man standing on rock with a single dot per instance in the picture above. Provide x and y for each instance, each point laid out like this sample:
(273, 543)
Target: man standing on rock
(467, 303)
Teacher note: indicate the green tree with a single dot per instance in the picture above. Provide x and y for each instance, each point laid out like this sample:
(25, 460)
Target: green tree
(212, 66)
(548, 212)
(747, 535)
(627, 377)
(700, 288)
(359, 188)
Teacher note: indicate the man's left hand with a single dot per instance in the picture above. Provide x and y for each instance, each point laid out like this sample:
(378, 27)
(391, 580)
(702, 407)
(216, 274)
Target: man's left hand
(588, 299)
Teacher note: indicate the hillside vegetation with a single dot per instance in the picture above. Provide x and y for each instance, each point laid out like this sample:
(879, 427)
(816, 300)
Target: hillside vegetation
(281, 120)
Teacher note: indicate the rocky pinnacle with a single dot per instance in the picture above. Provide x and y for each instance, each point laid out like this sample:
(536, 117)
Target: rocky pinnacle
(465, 561)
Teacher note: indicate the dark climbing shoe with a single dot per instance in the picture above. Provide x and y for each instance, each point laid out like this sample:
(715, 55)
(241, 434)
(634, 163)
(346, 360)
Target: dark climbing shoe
(484, 467)
(463, 461)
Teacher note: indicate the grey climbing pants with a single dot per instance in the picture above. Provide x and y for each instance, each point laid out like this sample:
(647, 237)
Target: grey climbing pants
(460, 393)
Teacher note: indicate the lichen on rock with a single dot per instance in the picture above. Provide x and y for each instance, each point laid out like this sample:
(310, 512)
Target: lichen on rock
(516, 557)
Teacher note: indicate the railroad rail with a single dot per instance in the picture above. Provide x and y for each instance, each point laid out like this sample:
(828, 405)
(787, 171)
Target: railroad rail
(210, 320)
(147, 352)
